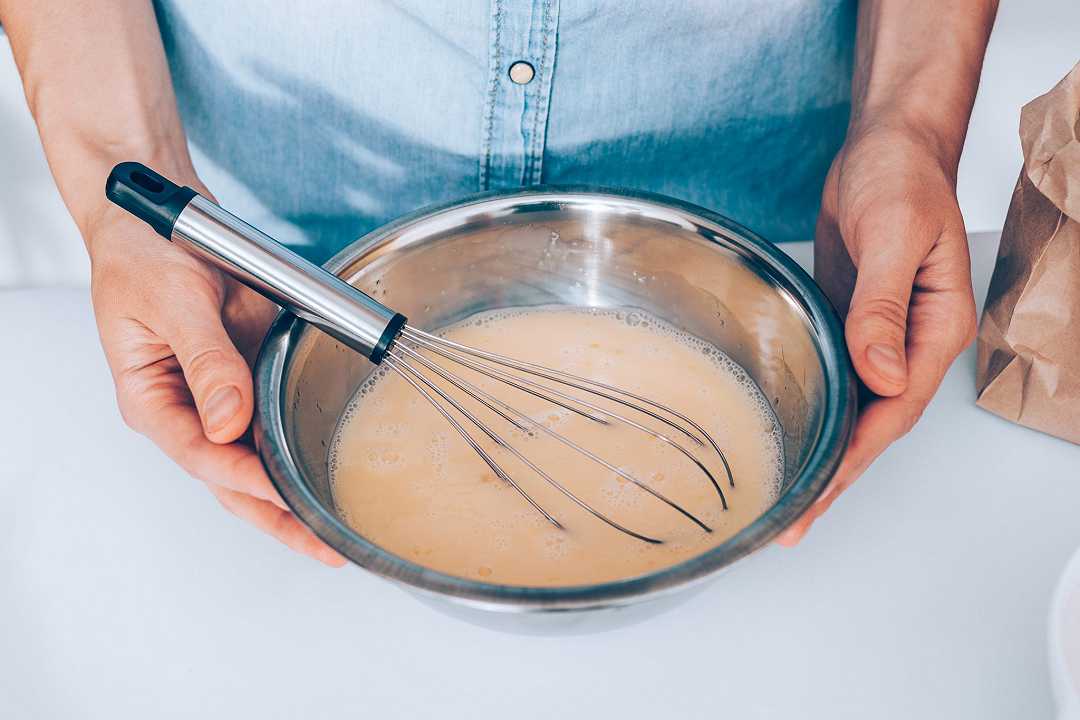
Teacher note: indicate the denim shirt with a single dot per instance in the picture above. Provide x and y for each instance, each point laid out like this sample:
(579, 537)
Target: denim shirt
(321, 121)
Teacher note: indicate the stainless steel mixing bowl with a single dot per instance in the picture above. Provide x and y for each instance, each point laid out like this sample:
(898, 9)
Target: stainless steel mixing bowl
(570, 246)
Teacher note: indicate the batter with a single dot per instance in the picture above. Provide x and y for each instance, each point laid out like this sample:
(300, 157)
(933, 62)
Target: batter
(407, 481)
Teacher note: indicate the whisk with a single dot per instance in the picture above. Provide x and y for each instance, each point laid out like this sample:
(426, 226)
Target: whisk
(382, 335)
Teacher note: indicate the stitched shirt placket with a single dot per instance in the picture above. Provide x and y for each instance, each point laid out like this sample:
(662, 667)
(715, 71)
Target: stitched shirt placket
(515, 113)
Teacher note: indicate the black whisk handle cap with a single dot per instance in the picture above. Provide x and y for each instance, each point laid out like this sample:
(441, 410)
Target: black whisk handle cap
(148, 196)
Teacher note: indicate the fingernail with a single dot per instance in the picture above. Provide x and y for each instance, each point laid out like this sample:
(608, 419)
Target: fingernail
(791, 536)
(331, 558)
(887, 361)
(222, 407)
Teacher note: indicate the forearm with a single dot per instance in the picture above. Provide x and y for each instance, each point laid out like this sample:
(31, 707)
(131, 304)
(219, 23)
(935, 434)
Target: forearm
(917, 68)
(98, 86)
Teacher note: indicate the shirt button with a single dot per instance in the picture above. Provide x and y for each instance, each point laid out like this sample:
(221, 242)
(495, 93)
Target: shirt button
(522, 72)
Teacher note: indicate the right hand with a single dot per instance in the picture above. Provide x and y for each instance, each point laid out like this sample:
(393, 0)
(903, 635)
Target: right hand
(179, 337)
(891, 253)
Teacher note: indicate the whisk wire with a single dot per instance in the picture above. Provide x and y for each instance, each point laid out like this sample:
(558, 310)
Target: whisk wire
(401, 370)
(551, 395)
(583, 383)
(580, 383)
(515, 452)
(494, 404)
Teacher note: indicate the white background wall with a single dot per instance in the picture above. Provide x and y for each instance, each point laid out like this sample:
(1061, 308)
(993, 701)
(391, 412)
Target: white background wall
(1035, 43)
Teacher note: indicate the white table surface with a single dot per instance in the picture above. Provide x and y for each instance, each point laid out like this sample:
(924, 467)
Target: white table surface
(125, 591)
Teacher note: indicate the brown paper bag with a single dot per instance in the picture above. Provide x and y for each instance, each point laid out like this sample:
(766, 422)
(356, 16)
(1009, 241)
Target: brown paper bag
(1029, 337)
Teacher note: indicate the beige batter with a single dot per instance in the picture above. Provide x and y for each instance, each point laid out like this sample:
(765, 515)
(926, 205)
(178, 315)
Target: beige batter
(406, 480)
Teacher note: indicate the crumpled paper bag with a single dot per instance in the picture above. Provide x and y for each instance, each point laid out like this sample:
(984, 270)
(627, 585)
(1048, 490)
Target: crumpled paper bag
(1029, 337)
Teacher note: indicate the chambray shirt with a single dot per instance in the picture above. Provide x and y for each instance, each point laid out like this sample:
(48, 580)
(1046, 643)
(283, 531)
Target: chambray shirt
(320, 121)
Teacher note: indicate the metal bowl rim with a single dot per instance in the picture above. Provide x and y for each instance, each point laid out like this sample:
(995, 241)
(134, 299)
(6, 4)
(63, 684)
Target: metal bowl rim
(275, 358)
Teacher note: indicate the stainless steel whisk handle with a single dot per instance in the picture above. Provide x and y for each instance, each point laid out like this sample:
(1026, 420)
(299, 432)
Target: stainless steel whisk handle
(215, 235)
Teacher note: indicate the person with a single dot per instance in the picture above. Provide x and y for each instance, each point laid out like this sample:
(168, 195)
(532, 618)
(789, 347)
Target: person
(795, 117)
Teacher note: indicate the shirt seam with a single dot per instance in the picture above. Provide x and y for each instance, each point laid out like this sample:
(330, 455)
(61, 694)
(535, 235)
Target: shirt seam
(494, 65)
(535, 149)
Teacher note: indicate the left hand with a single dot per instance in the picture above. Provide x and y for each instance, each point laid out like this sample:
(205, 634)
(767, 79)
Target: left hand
(180, 338)
(891, 253)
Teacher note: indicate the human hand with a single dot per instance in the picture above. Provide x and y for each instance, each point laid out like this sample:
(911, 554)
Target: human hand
(179, 337)
(891, 253)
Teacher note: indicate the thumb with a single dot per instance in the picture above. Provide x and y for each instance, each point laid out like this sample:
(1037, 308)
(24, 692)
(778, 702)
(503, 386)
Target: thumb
(876, 326)
(216, 373)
